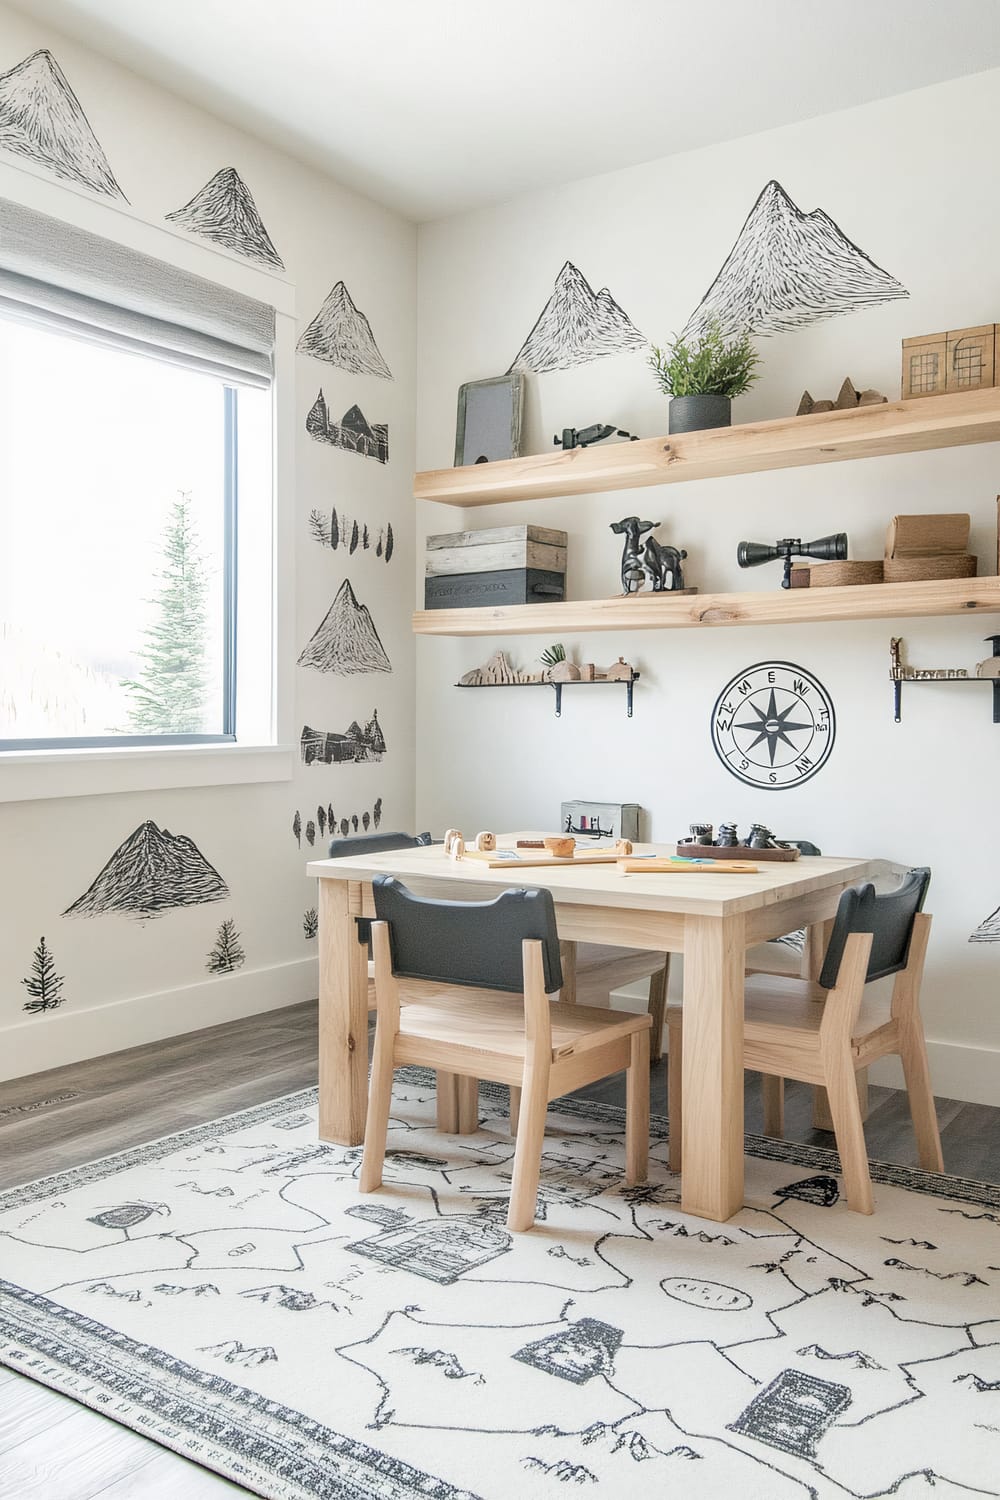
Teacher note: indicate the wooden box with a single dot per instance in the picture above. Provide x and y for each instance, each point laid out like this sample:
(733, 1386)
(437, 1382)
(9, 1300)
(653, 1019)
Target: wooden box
(936, 364)
(506, 586)
(496, 549)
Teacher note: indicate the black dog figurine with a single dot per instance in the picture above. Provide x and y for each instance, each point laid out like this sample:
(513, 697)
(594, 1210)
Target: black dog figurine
(659, 563)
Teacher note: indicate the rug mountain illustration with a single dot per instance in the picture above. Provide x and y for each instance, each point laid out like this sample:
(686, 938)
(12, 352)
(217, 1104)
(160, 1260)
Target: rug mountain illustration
(229, 1292)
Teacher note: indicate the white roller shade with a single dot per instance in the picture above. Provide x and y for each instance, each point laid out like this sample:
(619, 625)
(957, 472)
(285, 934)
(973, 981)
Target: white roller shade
(85, 286)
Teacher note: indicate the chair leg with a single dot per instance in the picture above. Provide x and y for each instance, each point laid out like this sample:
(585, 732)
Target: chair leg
(675, 1038)
(913, 1052)
(447, 1103)
(467, 1094)
(377, 1119)
(528, 1152)
(773, 1090)
(657, 1008)
(637, 1110)
(515, 1107)
(849, 1132)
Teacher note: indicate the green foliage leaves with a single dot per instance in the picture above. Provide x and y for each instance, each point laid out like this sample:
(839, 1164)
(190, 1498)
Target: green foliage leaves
(707, 366)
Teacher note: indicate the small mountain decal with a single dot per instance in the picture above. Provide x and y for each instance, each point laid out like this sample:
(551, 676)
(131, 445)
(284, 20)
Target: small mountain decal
(42, 119)
(575, 326)
(988, 930)
(151, 872)
(341, 335)
(788, 269)
(224, 211)
(346, 642)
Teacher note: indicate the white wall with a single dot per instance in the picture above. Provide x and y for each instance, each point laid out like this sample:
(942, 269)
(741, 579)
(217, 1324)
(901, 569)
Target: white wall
(127, 980)
(908, 180)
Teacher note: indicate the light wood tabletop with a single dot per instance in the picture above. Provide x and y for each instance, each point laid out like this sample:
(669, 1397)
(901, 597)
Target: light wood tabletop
(709, 917)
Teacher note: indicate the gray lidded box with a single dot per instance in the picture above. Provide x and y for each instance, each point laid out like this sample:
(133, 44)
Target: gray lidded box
(592, 820)
(508, 586)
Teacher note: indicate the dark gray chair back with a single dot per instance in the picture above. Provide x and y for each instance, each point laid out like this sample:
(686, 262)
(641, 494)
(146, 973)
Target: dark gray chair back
(376, 843)
(888, 917)
(468, 942)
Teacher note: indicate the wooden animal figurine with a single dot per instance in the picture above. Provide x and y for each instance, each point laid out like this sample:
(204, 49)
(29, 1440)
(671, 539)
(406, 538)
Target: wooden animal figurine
(623, 846)
(456, 849)
(451, 835)
(486, 842)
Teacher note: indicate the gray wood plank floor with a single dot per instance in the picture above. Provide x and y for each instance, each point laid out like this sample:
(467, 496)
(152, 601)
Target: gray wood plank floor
(53, 1449)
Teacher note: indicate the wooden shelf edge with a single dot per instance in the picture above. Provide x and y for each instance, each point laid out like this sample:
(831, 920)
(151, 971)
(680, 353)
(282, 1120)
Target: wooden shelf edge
(753, 447)
(874, 601)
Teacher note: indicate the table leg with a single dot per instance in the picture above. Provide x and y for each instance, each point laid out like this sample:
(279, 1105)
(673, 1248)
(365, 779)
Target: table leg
(817, 938)
(343, 1018)
(712, 1162)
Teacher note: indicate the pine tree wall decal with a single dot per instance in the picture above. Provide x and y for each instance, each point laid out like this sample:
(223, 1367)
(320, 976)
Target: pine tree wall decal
(310, 923)
(228, 953)
(43, 984)
(297, 827)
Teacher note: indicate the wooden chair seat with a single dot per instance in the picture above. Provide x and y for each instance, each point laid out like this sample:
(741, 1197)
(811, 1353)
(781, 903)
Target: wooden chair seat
(477, 1023)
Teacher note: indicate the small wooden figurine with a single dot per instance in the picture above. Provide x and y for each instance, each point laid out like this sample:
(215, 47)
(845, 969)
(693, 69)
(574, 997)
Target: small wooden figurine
(623, 846)
(450, 836)
(487, 842)
(938, 364)
(456, 849)
(619, 671)
(848, 399)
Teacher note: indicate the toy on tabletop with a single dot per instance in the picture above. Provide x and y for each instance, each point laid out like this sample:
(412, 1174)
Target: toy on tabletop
(585, 437)
(657, 561)
(831, 548)
(486, 842)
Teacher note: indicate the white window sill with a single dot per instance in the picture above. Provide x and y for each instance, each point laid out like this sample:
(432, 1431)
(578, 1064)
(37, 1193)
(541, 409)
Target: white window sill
(31, 775)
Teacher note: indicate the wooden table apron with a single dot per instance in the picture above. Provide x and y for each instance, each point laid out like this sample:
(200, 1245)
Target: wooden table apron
(713, 944)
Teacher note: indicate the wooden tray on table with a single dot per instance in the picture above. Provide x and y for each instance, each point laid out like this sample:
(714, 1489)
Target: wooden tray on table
(735, 851)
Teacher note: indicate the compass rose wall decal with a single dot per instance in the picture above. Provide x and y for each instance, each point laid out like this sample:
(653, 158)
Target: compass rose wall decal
(773, 725)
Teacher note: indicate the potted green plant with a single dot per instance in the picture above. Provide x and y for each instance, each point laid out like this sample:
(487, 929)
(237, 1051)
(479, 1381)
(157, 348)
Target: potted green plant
(703, 374)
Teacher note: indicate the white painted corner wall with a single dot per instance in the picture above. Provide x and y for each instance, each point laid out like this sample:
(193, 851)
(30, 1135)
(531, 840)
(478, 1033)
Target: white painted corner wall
(908, 180)
(131, 981)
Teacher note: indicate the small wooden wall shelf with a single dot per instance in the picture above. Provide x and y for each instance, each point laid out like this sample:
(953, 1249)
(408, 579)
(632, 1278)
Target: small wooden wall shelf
(786, 442)
(876, 601)
(626, 683)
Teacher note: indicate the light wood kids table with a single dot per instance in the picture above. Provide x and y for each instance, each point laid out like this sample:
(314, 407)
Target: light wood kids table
(710, 918)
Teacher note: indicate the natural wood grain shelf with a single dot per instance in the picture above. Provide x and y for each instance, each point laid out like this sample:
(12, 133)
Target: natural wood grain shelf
(787, 442)
(648, 611)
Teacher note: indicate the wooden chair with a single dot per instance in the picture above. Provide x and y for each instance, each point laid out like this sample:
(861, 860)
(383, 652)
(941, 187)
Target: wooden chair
(477, 977)
(821, 1033)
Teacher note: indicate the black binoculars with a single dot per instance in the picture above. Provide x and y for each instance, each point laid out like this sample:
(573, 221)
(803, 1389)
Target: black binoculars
(828, 548)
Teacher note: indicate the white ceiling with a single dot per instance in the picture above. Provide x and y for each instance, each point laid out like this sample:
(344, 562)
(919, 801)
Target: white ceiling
(434, 106)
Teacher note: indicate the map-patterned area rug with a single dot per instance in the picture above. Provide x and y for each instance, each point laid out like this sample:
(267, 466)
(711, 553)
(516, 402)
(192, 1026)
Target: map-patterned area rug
(228, 1292)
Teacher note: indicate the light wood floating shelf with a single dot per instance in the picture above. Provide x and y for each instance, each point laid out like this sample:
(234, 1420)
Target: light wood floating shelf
(785, 443)
(875, 601)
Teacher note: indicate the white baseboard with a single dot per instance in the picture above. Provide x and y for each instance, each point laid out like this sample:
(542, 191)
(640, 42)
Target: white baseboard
(971, 1074)
(73, 1036)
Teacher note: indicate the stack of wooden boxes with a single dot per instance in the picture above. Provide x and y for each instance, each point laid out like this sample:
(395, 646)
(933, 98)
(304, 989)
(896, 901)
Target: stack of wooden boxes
(501, 565)
(918, 547)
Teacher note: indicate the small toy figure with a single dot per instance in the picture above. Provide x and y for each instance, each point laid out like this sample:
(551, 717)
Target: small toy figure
(486, 842)
(658, 562)
(585, 437)
(623, 846)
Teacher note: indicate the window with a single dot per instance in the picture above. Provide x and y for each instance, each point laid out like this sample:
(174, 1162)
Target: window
(132, 451)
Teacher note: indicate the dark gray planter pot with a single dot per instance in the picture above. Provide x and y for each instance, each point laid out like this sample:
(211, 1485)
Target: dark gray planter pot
(693, 413)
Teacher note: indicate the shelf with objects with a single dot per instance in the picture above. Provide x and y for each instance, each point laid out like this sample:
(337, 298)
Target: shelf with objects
(899, 672)
(557, 674)
(907, 426)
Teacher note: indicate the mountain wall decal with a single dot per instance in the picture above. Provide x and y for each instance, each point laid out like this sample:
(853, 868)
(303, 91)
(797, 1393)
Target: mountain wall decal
(354, 433)
(151, 872)
(42, 119)
(346, 641)
(988, 930)
(341, 335)
(576, 325)
(788, 269)
(224, 211)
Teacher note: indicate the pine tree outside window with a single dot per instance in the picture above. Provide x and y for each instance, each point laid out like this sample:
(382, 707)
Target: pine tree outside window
(135, 451)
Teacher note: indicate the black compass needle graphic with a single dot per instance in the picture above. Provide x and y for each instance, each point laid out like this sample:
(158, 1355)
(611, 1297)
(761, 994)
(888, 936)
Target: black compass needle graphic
(772, 725)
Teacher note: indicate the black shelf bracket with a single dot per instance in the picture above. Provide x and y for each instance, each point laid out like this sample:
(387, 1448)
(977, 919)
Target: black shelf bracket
(897, 674)
(626, 682)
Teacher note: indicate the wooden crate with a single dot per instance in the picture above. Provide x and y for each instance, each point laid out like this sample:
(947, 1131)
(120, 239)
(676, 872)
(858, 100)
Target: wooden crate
(496, 549)
(938, 364)
(506, 586)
